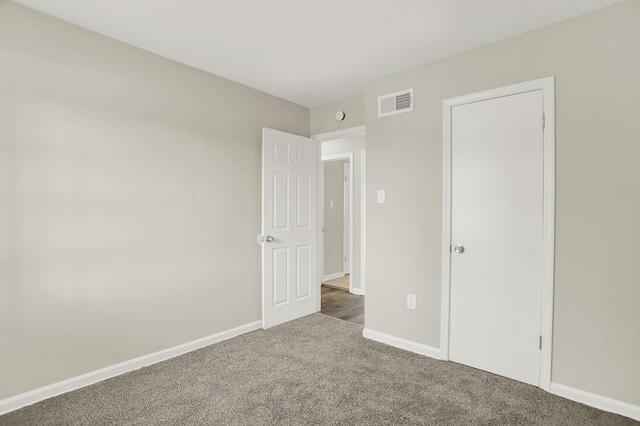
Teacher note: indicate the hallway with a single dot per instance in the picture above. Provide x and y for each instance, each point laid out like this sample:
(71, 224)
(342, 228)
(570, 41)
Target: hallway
(342, 304)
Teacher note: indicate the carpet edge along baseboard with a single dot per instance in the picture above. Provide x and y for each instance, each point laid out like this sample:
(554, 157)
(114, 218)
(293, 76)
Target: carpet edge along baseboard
(39, 394)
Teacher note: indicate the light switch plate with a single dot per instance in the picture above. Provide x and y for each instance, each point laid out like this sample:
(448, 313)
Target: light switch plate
(411, 301)
(381, 196)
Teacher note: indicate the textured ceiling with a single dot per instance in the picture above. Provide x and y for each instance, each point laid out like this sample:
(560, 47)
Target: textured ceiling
(310, 52)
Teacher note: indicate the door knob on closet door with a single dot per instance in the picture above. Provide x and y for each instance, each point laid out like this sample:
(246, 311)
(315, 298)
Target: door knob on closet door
(459, 248)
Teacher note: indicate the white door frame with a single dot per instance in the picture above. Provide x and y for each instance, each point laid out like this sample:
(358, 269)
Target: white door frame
(547, 85)
(324, 137)
(347, 219)
(346, 156)
(363, 217)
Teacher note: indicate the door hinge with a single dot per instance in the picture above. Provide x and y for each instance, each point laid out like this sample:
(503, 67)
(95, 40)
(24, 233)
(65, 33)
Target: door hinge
(540, 343)
(345, 258)
(450, 248)
(345, 178)
(543, 121)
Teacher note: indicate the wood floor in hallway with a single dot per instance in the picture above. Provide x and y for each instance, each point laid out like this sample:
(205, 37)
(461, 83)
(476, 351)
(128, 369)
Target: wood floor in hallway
(342, 304)
(339, 283)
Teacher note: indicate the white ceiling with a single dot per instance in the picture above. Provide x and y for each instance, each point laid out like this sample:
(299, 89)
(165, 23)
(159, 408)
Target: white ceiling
(310, 52)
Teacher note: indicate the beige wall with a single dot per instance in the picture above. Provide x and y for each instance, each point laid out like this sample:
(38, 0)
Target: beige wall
(333, 216)
(323, 118)
(356, 146)
(596, 61)
(129, 200)
(130, 196)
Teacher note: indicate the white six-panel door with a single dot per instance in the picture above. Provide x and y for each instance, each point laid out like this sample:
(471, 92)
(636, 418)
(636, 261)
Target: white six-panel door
(496, 235)
(289, 227)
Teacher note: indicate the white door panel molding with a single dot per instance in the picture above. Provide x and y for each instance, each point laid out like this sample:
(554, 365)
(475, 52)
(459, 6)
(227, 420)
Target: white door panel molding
(289, 227)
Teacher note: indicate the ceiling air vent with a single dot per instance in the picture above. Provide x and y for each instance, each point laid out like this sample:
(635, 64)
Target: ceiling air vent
(395, 103)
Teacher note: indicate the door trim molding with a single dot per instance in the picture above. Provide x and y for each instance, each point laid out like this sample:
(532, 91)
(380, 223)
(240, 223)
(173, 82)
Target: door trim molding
(347, 212)
(325, 137)
(547, 85)
(339, 134)
(363, 221)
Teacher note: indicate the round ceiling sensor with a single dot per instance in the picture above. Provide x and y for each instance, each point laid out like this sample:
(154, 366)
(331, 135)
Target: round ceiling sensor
(340, 115)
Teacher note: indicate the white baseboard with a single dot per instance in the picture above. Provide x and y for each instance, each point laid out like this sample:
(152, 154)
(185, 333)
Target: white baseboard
(587, 398)
(597, 401)
(333, 276)
(407, 345)
(357, 291)
(36, 395)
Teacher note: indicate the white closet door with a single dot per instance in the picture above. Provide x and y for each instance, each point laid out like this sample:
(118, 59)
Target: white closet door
(497, 219)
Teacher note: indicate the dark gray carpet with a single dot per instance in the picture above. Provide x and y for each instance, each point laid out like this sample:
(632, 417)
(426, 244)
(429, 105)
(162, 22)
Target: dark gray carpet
(316, 370)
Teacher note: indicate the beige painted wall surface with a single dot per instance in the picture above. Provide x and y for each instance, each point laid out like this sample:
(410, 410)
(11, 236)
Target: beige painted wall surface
(355, 145)
(333, 216)
(596, 61)
(129, 200)
(323, 118)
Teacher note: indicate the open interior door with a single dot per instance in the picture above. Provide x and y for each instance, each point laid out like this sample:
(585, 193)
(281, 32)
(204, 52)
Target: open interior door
(289, 237)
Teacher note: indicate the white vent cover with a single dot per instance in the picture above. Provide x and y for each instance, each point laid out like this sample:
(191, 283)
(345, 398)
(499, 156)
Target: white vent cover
(395, 103)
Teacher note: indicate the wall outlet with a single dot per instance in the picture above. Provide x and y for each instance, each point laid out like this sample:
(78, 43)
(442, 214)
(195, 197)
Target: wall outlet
(381, 196)
(411, 301)
(331, 203)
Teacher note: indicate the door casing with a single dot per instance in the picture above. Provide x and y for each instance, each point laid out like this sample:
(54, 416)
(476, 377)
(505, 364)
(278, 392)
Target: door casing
(347, 222)
(329, 136)
(547, 85)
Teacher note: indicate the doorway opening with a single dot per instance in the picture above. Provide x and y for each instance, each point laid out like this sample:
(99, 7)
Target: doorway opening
(341, 215)
(337, 217)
